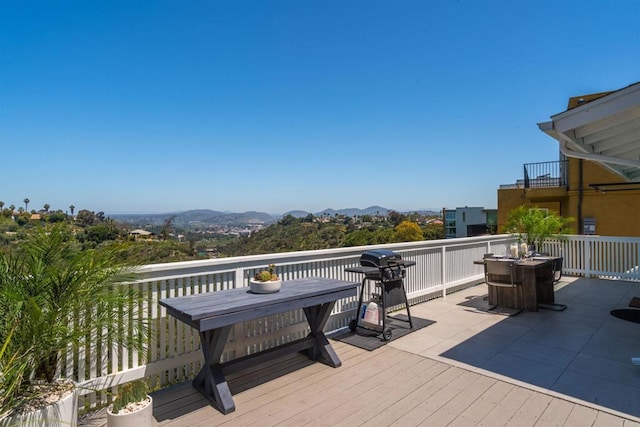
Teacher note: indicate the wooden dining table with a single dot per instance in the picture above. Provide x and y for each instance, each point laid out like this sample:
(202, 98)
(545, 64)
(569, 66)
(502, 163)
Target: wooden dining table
(213, 314)
(536, 275)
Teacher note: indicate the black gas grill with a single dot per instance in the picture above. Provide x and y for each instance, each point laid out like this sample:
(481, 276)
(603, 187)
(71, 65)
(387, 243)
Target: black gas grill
(387, 265)
(387, 270)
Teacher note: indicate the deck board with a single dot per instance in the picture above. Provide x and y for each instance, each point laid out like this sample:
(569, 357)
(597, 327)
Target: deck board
(384, 387)
(530, 411)
(434, 376)
(506, 409)
(478, 410)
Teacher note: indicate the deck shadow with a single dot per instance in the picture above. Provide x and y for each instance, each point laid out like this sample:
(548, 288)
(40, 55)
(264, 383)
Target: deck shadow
(547, 348)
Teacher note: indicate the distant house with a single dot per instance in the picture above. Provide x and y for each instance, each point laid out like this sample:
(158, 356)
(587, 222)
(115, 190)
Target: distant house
(36, 217)
(139, 233)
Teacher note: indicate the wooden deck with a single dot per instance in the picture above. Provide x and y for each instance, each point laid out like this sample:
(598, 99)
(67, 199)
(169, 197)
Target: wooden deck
(434, 376)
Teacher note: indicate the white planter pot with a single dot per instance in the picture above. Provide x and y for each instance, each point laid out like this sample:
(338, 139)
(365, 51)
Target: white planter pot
(269, 287)
(143, 417)
(59, 414)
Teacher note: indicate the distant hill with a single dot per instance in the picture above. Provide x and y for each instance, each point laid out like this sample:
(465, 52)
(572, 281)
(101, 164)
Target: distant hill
(198, 217)
(206, 217)
(426, 212)
(371, 210)
(296, 214)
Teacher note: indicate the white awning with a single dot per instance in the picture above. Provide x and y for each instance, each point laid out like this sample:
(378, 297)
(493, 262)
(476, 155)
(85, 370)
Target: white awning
(605, 130)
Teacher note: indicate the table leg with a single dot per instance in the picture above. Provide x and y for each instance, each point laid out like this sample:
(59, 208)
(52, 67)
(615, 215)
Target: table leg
(529, 289)
(322, 351)
(211, 381)
(544, 283)
(544, 288)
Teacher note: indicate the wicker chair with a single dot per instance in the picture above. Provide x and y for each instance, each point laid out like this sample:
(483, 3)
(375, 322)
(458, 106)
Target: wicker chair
(501, 274)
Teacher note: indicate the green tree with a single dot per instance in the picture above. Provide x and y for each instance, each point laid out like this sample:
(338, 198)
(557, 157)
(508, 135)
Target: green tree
(395, 217)
(433, 231)
(101, 232)
(408, 231)
(56, 217)
(23, 218)
(383, 235)
(166, 227)
(360, 237)
(85, 218)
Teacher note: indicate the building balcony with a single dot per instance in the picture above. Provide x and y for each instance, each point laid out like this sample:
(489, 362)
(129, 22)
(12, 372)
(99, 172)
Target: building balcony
(546, 174)
(543, 175)
(462, 366)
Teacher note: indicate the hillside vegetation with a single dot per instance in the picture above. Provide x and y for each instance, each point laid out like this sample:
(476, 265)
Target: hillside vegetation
(169, 242)
(311, 232)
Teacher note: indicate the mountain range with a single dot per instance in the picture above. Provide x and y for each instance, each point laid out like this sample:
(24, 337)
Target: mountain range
(211, 217)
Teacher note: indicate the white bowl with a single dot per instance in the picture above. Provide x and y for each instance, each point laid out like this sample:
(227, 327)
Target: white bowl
(269, 287)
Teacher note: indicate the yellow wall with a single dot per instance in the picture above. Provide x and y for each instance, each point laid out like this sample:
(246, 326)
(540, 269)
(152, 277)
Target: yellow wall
(509, 199)
(617, 213)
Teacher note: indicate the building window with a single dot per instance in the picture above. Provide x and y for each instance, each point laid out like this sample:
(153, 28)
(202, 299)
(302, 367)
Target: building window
(543, 210)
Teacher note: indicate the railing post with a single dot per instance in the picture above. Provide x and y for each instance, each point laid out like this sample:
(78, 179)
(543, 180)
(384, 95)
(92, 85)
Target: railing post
(238, 282)
(587, 258)
(637, 269)
(443, 267)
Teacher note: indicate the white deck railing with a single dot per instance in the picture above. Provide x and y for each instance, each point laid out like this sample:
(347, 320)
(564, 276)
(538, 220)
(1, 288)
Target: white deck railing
(598, 256)
(174, 348)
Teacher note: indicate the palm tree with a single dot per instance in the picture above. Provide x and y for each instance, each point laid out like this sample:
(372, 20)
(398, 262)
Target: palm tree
(26, 204)
(12, 208)
(46, 207)
(45, 282)
(534, 226)
(1, 205)
(72, 208)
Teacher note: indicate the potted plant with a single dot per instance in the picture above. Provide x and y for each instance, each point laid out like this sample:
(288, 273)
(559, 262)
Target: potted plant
(132, 406)
(53, 296)
(265, 281)
(534, 226)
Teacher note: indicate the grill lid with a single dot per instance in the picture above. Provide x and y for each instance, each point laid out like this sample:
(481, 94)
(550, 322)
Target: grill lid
(380, 258)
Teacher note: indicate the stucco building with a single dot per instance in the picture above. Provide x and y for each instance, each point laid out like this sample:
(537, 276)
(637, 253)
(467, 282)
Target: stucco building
(596, 179)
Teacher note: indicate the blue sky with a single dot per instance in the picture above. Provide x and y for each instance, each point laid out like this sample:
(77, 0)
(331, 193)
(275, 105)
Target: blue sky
(158, 106)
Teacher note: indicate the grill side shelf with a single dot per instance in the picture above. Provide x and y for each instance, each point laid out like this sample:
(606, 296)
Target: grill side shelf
(363, 270)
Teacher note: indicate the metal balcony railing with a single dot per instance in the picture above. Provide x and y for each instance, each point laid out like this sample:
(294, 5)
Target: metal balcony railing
(546, 174)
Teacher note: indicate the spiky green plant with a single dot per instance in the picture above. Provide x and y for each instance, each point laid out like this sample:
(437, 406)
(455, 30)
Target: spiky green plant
(135, 391)
(13, 369)
(266, 275)
(534, 226)
(53, 296)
